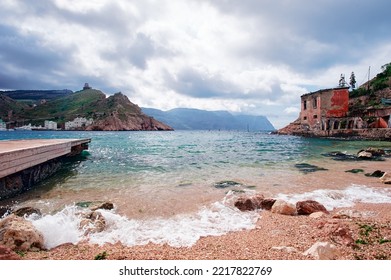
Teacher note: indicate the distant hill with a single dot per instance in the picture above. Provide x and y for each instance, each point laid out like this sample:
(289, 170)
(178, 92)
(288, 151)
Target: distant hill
(115, 112)
(8, 104)
(36, 95)
(194, 119)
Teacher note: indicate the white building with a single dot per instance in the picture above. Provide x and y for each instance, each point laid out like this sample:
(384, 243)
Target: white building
(3, 125)
(78, 123)
(50, 125)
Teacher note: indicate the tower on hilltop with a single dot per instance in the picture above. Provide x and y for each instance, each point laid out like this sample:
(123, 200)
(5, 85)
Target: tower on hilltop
(86, 86)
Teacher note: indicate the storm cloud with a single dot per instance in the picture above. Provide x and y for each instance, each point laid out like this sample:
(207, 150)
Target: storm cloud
(251, 56)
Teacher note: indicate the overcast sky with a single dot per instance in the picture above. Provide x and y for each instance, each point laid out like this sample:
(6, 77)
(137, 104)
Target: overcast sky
(249, 56)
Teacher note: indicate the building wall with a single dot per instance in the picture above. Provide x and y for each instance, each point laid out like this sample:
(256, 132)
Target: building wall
(328, 103)
(311, 109)
(337, 105)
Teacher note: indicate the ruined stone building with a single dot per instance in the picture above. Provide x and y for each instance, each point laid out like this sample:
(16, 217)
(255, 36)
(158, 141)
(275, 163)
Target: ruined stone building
(330, 112)
(326, 109)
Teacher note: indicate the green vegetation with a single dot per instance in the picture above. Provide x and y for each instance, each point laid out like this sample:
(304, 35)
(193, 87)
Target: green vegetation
(101, 256)
(371, 237)
(88, 103)
(381, 81)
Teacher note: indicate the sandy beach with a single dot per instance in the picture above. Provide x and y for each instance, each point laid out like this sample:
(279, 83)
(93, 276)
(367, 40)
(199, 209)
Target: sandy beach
(366, 234)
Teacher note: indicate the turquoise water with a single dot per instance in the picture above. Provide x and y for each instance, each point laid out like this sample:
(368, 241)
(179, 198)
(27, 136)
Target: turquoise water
(165, 152)
(167, 179)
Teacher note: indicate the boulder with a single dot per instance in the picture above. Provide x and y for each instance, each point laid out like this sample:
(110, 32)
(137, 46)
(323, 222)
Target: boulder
(267, 203)
(7, 254)
(309, 168)
(386, 178)
(104, 206)
(308, 207)
(283, 207)
(364, 155)
(93, 222)
(249, 203)
(254, 202)
(376, 152)
(19, 234)
(322, 251)
(377, 174)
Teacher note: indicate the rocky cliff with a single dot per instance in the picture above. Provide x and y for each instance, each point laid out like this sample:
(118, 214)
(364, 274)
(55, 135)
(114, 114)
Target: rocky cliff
(124, 115)
(115, 112)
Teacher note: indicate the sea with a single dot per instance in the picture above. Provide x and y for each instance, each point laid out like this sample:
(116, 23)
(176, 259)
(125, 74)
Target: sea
(175, 187)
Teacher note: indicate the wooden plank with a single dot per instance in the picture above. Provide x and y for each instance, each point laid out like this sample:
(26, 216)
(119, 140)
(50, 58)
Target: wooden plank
(26, 158)
(24, 166)
(17, 155)
(10, 156)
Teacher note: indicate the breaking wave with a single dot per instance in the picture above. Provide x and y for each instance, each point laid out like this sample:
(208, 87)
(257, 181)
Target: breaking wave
(184, 230)
(342, 198)
(181, 230)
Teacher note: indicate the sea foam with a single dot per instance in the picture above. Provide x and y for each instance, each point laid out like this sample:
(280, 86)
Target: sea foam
(178, 231)
(183, 230)
(342, 198)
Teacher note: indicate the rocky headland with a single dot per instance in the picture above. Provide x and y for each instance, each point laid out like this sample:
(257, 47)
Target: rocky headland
(109, 113)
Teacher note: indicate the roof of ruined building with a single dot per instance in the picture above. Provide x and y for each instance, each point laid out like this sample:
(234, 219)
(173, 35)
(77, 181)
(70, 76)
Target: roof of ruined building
(323, 90)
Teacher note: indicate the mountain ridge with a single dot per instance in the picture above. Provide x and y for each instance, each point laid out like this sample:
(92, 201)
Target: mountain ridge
(197, 119)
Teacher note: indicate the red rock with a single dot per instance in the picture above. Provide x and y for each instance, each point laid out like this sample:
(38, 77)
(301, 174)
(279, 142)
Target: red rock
(7, 254)
(267, 203)
(17, 233)
(344, 235)
(249, 203)
(283, 208)
(310, 206)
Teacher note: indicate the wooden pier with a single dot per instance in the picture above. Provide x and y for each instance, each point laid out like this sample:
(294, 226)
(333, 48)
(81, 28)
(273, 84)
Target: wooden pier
(21, 161)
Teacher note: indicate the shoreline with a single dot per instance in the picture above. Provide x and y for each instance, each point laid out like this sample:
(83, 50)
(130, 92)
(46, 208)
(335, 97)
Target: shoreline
(276, 237)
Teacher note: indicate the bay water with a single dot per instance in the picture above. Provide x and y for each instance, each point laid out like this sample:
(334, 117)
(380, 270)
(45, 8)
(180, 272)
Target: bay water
(175, 187)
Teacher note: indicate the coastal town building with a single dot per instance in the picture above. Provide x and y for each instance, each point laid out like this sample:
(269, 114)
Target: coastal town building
(78, 123)
(50, 125)
(3, 125)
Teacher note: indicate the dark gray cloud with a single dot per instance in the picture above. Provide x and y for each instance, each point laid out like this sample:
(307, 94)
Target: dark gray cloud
(26, 62)
(312, 35)
(137, 50)
(193, 83)
(199, 52)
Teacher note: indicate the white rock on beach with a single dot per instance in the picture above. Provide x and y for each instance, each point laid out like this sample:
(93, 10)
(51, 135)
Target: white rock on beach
(322, 251)
(386, 178)
(283, 207)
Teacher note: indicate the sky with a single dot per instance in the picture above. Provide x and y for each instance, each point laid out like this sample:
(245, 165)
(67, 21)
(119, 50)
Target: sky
(252, 57)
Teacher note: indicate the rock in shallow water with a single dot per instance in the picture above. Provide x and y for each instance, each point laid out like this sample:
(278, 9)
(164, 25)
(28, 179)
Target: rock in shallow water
(227, 184)
(308, 168)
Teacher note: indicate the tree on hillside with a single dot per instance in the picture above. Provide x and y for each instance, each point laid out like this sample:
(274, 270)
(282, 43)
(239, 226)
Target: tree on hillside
(353, 81)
